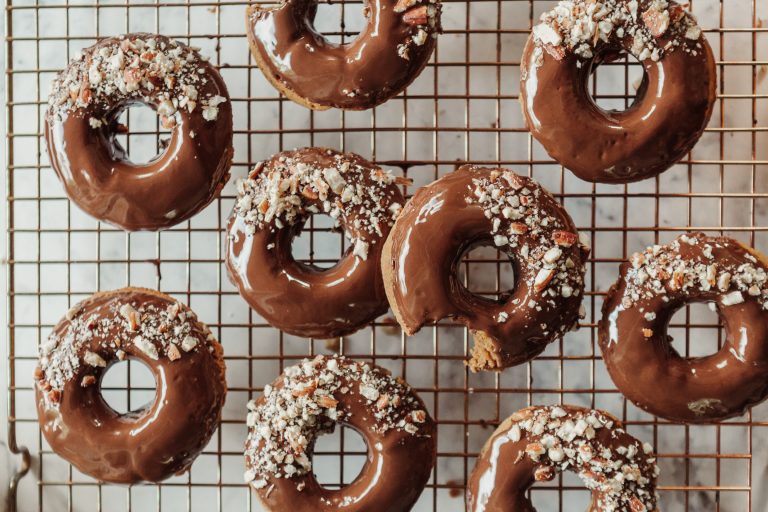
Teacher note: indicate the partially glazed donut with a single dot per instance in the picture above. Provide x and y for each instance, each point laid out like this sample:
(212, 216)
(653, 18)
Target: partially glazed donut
(272, 207)
(309, 400)
(674, 101)
(164, 437)
(475, 206)
(537, 443)
(638, 352)
(390, 52)
(191, 99)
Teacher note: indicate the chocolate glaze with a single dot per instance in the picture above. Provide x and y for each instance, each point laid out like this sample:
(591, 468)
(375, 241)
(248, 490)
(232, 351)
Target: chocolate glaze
(390, 52)
(637, 349)
(170, 189)
(149, 444)
(673, 106)
(442, 222)
(399, 462)
(505, 469)
(302, 299)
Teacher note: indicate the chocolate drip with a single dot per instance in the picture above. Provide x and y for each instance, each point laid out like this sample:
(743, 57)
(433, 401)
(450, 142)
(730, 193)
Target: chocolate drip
(444, 220)
(636, 314)
(673, 106)
(170, 189)
(303, 299)
(389, 53)
(146, 445)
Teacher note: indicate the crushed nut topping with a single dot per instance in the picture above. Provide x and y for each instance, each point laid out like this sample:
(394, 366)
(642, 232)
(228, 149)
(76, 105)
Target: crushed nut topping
(146, 68)
(424, 18)
(693, 264)
(548, 249)
(87, 338)
(308, 400)
(646, 28)
(621, 470)
(287, 189)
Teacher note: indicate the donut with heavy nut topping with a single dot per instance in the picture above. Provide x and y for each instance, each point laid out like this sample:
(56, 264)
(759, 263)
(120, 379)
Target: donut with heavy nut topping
(162, 438)
(475, 206)
(389, 53)
(674, 101)
(84, 107)
(272, 206)
(538, 443)
(309, 400)
(655, 284)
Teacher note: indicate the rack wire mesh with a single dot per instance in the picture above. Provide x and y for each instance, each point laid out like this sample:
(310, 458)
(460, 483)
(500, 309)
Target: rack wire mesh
(462, 108)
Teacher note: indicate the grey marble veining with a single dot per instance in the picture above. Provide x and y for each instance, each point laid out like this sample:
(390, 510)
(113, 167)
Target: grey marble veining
(610, 215)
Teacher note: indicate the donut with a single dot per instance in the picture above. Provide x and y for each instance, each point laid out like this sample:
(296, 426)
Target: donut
(272, 206)
(388, 54)
(162, 438)
(191, 99)
(307, 401)
(674, 100)
(656, 283)
(537, 443)
(478, 206)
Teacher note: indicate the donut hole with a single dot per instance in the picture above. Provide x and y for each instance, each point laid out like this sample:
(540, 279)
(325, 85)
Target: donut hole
(615, 81)
(696, 330)
(320, 243)
(138, 134)
(128, 387)
(339, 457)
(486, 272)
(339, 23)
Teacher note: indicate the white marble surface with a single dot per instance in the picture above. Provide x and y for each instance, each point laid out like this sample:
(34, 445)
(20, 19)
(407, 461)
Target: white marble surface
(610, 213)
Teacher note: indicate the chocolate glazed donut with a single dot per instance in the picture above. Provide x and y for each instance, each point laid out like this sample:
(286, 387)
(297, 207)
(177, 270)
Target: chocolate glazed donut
(655, 284)
(384, 59)
(273, 205)
(537, 443)
(674, 101)
(308, 400)
(149, 444)
(82, 122)
(474, 206)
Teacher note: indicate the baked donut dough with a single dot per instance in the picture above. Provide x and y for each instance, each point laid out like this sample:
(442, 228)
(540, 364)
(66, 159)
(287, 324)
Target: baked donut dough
(674, 101)
(191, 99)
(389, 53)
(537, 443)
(309, 400)
(272, 206)
(164, 437)
(474, 206)
(637, 350)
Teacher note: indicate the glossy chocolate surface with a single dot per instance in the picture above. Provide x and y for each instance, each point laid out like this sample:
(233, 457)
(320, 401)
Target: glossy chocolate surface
(303, 299)
(637, 349)
(398, 463)
(390, 52)
(146, 445)
(673, 106)
(441, 223)
(514, 459)
(181, 181)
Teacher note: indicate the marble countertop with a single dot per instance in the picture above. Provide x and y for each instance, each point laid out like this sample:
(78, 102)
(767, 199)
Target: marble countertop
(132, 258)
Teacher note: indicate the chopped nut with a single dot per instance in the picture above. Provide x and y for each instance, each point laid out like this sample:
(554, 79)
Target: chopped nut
(94, 359)
(417, 16)
(543, 278)
(88, 380)
(173, 352)
(565, 238)
(544, 474)
(647, 333)
(327, 401)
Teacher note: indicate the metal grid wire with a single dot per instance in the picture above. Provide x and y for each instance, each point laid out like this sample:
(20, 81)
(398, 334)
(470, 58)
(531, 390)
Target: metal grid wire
(462, 108)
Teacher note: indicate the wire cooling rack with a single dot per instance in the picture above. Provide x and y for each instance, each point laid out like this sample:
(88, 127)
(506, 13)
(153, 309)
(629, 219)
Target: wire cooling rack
(462, 108)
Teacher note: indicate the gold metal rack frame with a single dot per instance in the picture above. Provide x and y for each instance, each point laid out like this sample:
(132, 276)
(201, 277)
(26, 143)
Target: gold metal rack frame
(463, 108)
